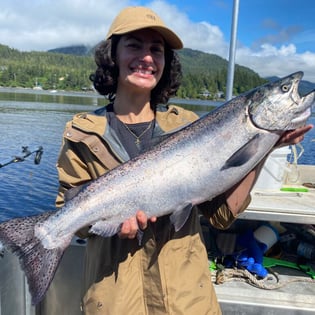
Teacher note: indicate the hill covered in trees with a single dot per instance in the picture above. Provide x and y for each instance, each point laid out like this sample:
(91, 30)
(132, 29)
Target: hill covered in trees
(204, 75)
(44, 69)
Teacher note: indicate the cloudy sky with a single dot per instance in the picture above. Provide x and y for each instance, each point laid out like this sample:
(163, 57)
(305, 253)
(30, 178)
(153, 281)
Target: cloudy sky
(274, 37)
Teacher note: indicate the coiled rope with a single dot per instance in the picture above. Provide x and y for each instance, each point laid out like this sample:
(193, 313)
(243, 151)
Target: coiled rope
(271, 282)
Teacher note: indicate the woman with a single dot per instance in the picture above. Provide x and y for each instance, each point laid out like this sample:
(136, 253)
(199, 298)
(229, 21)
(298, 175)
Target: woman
(138, 70)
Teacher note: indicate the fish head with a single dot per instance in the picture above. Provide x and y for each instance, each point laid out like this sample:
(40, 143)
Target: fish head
(278, 106)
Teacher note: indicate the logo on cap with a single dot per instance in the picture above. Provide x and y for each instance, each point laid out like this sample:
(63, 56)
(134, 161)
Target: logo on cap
(151, 17)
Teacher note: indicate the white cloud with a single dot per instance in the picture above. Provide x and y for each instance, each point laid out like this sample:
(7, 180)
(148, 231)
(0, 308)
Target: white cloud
(272, 61)
(47, 24)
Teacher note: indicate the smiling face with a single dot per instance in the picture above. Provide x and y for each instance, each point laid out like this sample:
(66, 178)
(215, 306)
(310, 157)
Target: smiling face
(140, 59)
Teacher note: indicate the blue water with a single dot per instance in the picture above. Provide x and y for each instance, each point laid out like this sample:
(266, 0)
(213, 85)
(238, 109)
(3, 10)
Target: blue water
(27, 188)
(35, 120)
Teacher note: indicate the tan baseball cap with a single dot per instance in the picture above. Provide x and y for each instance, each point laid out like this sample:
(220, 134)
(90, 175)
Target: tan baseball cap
(135, 18)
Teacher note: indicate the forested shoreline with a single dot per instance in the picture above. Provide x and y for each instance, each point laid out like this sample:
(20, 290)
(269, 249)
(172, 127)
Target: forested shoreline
(204, 75)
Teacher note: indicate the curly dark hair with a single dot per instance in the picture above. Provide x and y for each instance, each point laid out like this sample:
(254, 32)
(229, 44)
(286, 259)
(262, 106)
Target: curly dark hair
(106, 74)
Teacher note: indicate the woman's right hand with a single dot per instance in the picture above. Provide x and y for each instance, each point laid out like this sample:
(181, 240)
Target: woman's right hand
(130, 227)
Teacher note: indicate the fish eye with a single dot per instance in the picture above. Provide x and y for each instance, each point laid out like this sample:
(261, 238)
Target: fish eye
(285, 88)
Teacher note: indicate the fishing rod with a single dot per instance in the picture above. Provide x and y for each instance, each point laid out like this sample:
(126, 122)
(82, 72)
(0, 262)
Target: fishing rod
(26, 153)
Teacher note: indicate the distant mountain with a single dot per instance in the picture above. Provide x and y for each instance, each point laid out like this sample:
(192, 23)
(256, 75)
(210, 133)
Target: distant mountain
(304, 87)
(77, 50)
(198, 62)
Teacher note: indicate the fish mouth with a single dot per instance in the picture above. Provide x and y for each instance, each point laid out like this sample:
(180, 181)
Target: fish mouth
(301, 119)
(305, 104)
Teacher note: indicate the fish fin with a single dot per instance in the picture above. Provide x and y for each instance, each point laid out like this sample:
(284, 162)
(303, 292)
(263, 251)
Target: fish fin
(104, 228)
(244, 154)
(179, 217)
(38, 263)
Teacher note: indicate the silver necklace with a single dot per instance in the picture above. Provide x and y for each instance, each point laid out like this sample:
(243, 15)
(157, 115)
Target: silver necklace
(138, 138)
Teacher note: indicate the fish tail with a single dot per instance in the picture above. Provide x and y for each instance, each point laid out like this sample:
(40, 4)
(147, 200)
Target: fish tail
(38, 263)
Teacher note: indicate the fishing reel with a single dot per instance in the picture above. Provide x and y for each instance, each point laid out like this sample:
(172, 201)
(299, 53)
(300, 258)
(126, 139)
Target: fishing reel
(26, 153)
(38, 154)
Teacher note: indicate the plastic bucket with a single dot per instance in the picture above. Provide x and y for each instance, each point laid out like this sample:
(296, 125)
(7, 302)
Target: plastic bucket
(273, 172)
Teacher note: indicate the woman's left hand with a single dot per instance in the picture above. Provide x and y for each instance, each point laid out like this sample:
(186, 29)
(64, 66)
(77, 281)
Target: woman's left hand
(293, 136)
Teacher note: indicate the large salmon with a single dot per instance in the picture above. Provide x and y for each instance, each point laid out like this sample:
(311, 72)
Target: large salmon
(194, 164)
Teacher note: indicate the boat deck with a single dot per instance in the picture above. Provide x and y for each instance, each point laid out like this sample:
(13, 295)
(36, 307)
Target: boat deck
(293, 298)
(285, 206)
(277, 206)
